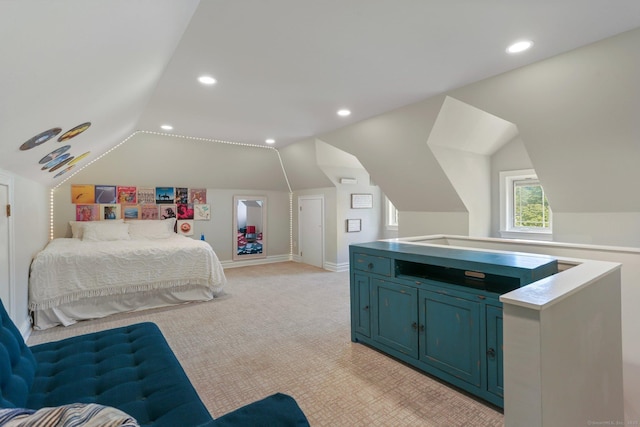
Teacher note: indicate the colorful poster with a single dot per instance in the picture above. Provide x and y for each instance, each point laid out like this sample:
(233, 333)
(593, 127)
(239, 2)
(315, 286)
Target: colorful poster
(165, 195)
(167, 211)
(147, 196)
(149, 212)
(130, 211)
(105, 194)
(197, 195)
(201, 212)
(82, 194)
(87, 213)
(109, 212)
(127, 195)
(182, 195)
(185, 211)
(185, 227)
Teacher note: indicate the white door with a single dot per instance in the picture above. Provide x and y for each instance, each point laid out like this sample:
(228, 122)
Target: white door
(5, 293)
(311, 230)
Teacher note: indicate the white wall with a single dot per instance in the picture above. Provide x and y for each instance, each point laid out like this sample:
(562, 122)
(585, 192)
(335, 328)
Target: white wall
(470, 174)
(576, 115)
(30, 211)
(218, 231)
(426, 223)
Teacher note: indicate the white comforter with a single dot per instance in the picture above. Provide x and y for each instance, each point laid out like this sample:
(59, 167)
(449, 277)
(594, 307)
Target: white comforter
(70, 270)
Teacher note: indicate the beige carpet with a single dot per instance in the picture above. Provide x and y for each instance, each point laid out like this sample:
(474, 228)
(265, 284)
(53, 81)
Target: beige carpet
(285, 328)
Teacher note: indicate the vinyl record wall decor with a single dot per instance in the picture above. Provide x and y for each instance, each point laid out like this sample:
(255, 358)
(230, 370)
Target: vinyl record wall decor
(61, 159)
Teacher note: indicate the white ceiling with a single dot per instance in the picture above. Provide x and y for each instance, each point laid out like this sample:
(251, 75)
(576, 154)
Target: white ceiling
(283, 66)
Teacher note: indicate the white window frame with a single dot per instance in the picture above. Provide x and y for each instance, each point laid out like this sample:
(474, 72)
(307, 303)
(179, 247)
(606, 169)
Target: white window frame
(507, 230)
(390, 211)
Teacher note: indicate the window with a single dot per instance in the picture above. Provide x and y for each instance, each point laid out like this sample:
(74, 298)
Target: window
(391, 215)
(524, 210)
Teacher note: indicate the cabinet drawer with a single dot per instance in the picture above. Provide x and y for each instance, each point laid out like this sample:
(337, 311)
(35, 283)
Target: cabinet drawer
(372, 264)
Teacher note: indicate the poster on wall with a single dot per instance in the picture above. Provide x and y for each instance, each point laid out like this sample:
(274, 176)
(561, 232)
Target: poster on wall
(201, 212)
(182, 195)
(147, 195)
(165, 195)
(110, 212)
(185, 227)
(87, 213)
(185, 211)
(82, 194)
(127, 195)
(149, 212)
(130, 211)
(198, 195)
(167, 211)
(105, 194)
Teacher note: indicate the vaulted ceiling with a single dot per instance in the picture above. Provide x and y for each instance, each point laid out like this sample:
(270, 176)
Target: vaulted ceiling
(283, 67)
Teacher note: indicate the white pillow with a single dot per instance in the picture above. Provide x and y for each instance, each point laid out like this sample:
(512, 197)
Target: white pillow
(103, 231)
(151, 228)
(77, 227)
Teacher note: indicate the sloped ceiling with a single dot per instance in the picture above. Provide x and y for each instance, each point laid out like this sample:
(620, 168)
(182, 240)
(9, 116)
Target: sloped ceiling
(462, 127)
(71, 62)
(283, 66)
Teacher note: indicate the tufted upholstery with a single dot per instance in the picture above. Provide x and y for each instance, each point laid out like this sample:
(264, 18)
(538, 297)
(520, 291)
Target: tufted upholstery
(17, 365)
(130, 368)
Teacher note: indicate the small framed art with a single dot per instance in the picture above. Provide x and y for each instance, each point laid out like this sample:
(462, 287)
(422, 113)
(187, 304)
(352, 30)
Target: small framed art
(354, 225)
(361, 201)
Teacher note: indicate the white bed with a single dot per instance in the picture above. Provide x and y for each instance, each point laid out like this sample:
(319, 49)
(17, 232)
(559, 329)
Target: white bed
(73, 279)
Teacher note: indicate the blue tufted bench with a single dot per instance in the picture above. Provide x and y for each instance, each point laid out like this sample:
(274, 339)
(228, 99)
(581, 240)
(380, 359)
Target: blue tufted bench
(131, 368)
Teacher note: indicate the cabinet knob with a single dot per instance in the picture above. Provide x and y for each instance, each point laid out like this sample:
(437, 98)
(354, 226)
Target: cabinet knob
(370, 266)
(491, 353)
(417, 327)
(366, 307)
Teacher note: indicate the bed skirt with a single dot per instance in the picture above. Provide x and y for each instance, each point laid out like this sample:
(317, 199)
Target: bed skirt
(98, 307)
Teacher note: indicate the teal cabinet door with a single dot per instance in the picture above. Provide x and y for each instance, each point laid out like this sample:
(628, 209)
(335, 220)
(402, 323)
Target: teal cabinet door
(395, 316)
(361, 311)
(450, 339)
(495, 381)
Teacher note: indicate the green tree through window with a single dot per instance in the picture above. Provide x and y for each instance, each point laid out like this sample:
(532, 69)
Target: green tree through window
(531, 208)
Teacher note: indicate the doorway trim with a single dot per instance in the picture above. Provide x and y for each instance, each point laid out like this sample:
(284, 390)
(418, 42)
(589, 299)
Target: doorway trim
(6, 179)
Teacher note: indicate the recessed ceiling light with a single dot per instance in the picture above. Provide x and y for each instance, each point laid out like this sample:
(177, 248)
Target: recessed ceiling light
(206, 80)
(344, 113)
(166, 127)
(520, 46)
(270, 141)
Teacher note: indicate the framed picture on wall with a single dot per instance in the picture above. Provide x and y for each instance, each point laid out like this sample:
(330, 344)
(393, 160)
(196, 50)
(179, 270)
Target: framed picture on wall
(354, 225)
(361, 201)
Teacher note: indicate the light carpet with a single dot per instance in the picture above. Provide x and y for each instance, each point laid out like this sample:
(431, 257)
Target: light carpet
(285, 328)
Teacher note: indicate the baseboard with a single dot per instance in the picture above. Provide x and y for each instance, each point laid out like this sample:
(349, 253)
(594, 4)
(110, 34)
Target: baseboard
(337, 268)
(256, 261)
(25, 329)
(296, 258)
